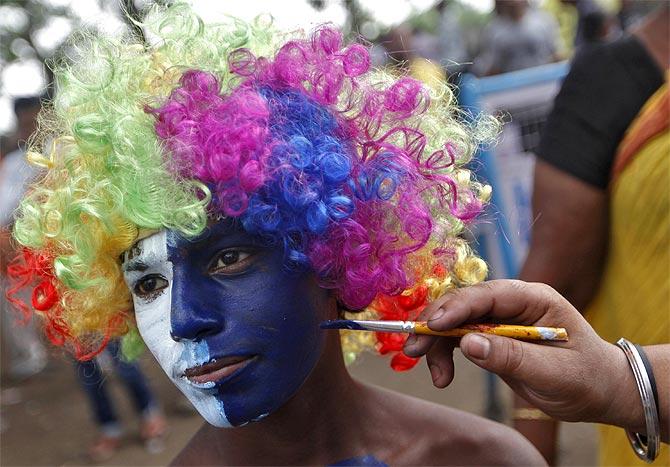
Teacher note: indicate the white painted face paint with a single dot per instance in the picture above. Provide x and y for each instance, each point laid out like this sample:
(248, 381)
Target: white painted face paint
(153, 323)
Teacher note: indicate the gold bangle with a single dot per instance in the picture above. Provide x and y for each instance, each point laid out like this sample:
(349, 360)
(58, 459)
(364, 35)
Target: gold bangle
(527, 413)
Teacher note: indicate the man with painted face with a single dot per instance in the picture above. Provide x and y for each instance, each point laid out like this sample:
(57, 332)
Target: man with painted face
(225, 199)
(235, 332)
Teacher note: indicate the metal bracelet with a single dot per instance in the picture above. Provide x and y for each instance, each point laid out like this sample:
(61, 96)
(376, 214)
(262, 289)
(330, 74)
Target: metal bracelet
(645, 446)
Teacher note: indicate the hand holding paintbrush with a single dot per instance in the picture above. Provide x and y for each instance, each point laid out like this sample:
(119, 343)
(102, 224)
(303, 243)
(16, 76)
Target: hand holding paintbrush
(579, 379)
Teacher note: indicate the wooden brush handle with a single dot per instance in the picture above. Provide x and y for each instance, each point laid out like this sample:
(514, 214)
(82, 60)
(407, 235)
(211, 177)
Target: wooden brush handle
(533, 333)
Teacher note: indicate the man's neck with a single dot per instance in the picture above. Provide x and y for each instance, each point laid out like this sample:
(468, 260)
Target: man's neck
(317, 426)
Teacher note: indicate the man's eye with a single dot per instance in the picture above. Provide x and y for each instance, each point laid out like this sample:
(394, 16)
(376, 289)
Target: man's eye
(231, 262)
(150, 285)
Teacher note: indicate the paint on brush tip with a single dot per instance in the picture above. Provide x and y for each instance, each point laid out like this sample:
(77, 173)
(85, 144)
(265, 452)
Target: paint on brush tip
(342, 324)
(548, 333)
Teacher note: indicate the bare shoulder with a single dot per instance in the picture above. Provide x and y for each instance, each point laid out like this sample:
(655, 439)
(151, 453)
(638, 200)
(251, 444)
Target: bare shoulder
(438, 435)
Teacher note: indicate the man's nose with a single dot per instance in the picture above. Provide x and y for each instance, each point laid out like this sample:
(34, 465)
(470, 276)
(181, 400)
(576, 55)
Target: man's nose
(191, 318)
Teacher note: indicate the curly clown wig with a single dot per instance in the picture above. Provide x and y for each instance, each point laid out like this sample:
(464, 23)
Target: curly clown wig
(356, 173)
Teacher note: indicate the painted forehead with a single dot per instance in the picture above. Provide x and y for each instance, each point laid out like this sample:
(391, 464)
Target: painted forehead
(145, 253)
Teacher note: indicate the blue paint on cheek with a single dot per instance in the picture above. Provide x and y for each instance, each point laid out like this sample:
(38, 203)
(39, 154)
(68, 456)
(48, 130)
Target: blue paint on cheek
(281, 317)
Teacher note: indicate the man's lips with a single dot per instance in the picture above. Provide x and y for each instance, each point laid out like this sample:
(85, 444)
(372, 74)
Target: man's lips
(216, 370)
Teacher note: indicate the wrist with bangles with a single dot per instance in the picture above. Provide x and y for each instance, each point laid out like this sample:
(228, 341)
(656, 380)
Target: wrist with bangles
(646, 446)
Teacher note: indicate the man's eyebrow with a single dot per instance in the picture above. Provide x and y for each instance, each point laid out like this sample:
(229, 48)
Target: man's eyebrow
(135, 265)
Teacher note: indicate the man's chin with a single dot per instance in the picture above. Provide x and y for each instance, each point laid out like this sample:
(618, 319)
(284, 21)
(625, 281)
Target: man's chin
(208, 406)
(219, 423)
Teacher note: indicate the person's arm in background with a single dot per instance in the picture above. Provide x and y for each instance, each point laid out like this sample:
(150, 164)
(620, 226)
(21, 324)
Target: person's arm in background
(585, 379)
(567, 251)
(569, 240)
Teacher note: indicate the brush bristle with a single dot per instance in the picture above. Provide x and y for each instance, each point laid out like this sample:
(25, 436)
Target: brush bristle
(341, 324)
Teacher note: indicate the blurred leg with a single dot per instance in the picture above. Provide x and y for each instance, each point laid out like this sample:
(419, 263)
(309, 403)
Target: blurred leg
(92, 381)
(134, 381)
(153, 425)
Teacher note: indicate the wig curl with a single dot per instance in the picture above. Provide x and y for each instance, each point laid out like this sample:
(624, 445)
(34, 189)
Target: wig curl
(357, 173)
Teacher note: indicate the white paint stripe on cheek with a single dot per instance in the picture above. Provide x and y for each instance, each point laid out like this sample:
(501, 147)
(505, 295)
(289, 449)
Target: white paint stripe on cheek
(153, 323)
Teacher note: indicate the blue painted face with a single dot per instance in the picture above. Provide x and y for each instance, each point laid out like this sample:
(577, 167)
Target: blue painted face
(235, 331)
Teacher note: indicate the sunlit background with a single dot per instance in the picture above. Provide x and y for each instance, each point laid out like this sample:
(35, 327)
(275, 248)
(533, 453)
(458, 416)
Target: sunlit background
(34, 31)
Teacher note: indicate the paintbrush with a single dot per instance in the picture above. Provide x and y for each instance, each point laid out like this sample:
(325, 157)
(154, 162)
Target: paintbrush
(534, 333)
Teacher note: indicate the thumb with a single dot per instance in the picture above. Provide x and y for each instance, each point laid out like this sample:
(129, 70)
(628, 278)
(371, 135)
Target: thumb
(501, 355)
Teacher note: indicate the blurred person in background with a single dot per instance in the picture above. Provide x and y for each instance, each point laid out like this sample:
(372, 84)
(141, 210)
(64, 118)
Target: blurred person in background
(153, 426)
(451, 44)
(27, 355)
(402, 56)
(590, 21)
(602, 203)
(435, 37)
(518, 36)
(599, 27)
